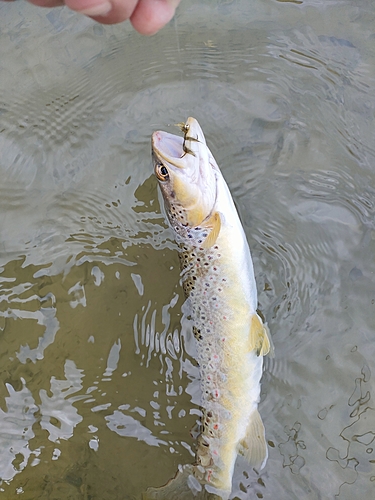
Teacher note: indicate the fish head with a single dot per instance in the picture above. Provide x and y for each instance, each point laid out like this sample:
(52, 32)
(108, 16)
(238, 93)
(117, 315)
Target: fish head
(185, 169)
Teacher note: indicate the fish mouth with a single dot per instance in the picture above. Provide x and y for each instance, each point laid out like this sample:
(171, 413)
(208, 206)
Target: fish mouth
(168, 147)
(173, 148)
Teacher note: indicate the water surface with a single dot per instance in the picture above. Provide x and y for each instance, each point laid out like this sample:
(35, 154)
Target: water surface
(98, 384)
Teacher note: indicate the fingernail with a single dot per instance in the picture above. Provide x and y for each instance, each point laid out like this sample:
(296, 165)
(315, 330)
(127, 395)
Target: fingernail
(97, 10)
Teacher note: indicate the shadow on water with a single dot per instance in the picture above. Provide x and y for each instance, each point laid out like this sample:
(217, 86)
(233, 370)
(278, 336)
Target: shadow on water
(98, 384)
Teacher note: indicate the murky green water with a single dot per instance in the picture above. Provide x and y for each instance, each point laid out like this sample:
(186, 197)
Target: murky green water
(98, 388)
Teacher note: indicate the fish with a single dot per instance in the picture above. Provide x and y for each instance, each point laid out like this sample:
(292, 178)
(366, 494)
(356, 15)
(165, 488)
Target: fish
(217, 277)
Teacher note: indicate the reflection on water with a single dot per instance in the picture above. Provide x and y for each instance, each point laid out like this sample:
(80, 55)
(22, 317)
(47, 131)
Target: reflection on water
(98, 384)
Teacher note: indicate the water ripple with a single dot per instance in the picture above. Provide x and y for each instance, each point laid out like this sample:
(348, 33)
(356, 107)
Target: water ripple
(97, 352)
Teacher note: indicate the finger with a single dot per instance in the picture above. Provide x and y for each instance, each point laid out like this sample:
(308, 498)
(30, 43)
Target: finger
(151, 15)
(47, 3)
(104, 11)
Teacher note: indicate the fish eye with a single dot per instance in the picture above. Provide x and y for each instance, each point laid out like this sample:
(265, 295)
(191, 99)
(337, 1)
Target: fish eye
(161, 172)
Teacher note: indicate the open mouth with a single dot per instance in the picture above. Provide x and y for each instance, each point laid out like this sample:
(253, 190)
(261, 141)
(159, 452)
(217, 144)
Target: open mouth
(168, 146)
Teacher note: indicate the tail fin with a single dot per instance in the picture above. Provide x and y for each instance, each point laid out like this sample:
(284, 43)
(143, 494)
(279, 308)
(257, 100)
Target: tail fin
(184, 486)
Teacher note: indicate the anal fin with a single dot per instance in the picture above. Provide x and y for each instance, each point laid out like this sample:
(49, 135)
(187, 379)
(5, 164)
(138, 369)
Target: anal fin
(253, 446)
(260, 337)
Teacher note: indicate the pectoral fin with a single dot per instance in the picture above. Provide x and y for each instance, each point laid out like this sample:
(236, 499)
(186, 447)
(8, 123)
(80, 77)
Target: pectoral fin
(214, 222)
(260, 338)
(253, 446)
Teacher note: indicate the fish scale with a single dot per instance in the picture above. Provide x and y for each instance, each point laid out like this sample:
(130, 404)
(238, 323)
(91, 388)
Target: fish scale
(218, 280)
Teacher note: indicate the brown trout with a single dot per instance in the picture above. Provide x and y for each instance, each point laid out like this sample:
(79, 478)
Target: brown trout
(218, 279)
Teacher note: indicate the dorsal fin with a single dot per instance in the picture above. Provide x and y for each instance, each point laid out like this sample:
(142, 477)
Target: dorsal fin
(253, 446)
(214, 222)
(260, 338)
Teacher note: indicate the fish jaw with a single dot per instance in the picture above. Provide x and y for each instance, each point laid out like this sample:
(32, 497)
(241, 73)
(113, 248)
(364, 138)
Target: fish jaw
(168, 149)
(173, 149)
(189, 189)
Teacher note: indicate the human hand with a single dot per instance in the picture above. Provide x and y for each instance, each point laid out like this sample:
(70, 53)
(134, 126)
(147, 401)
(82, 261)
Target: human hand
(146, 16)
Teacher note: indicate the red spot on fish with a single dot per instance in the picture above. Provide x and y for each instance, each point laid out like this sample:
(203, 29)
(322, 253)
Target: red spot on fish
(216, 426)
(209, 475)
